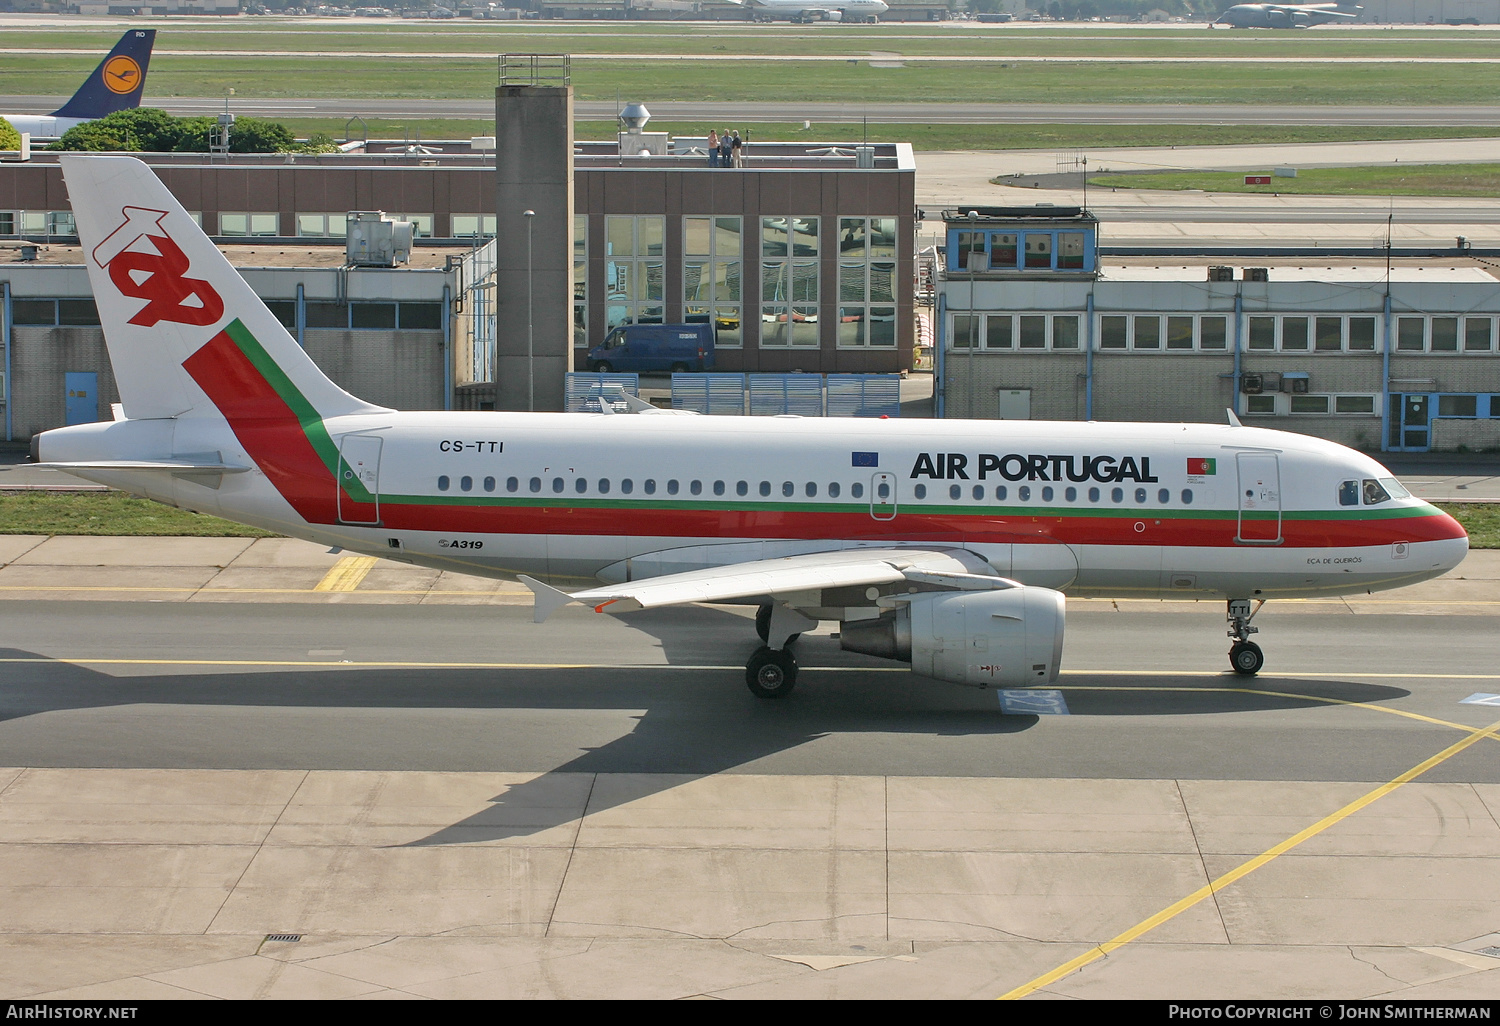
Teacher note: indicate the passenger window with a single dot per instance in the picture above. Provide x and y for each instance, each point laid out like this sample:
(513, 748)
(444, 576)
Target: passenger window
(672, 486)
(787, 489)
(1187, 496)
(1047, 493)
(812, 490)
(718, 487)
(1348, 493)
(696, 487)
(1140, 495)
(466, 483)
(883, 490)
(765, 488)
(979, 491)
(1375, 492)
(512, 484)
(833, 489)
(1163, 496)
(443, 482)
(1093, 495)
(742, 488)
(489, 484)
(920, 491)
(580, 486)
(1024, 493)
(650, 486)
(604, 486)
(557, 485)
(954, 492)
(1000, 493)
(536, 484)
(1117, 494)
(857, 490)
(1070, 494)
(627, 486)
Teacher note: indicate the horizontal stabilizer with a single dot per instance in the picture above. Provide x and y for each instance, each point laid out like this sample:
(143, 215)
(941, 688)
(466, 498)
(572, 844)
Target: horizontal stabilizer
(160, 466)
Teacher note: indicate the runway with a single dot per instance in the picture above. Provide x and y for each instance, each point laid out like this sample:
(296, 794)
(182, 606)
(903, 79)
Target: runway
(217, 741)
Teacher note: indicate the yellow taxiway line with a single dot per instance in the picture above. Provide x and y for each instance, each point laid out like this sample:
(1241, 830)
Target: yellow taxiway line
(1246, 868)
(347, 574)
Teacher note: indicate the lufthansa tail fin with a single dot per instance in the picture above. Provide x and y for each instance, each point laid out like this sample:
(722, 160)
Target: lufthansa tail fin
(118, 81)
(186, 335)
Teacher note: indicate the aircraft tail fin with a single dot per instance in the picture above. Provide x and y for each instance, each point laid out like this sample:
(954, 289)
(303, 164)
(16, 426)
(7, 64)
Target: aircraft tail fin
(118, 81)
(185, 333)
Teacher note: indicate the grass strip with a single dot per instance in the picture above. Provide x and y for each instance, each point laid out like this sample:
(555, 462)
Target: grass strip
(854, 81)
(928, 137)
(1386, 180)
(111, 514)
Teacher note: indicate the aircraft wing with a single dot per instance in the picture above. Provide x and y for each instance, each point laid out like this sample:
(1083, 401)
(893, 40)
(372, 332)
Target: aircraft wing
(956, 568)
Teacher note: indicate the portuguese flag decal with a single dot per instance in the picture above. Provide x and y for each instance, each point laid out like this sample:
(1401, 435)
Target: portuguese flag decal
(1201, 467)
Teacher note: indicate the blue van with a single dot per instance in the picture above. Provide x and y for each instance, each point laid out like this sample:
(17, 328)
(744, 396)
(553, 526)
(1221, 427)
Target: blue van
(644, 348)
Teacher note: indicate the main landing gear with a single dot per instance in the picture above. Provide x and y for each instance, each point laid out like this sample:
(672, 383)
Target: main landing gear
(772, 670)
(1245, 656)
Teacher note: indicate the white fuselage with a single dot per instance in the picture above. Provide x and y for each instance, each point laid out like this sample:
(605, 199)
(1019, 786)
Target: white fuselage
(42, 127)
(1090, 509)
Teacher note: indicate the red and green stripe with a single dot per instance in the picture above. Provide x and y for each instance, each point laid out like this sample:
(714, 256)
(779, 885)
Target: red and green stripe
(285, 435)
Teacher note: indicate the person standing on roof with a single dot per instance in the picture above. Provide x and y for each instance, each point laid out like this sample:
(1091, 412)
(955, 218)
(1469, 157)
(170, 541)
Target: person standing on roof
(726, 149)
(713, 148)
(737, 150)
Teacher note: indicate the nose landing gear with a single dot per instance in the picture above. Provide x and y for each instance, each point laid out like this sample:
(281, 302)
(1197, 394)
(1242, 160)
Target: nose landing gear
(1245, 656)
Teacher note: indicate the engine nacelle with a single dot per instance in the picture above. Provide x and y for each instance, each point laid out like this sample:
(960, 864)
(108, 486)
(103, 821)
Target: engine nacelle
(1007, 638)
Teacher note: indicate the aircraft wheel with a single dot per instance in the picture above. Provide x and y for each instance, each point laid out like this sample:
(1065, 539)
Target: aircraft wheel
(771, 674)
(1246, 658)
(763, 624)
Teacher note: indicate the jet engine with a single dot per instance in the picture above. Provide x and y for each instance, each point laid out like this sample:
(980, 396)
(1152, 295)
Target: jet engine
(1007, 638)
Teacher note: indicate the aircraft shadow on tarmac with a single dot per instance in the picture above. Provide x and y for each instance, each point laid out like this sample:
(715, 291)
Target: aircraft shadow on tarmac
(674, 721)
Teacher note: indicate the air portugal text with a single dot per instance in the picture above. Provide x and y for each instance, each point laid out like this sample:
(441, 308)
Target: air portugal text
(955, 466)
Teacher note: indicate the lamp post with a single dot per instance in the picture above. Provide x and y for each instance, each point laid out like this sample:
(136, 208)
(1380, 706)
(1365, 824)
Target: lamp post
(530, 216)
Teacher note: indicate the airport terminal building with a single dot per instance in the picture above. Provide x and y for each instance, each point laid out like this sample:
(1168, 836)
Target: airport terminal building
(1402, 357)
(802, 259)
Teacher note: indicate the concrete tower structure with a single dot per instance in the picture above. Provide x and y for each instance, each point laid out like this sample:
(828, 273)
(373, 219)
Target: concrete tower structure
(534, 217)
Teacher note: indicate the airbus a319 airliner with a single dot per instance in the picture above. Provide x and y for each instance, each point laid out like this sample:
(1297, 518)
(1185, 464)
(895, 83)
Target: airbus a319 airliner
(947, 544)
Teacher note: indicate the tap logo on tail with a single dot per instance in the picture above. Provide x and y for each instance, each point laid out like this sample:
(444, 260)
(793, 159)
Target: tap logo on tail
(144, 263)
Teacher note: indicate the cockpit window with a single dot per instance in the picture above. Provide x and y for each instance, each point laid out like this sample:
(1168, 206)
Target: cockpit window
(1374, 492)
(1348, 493)
(1394, 489)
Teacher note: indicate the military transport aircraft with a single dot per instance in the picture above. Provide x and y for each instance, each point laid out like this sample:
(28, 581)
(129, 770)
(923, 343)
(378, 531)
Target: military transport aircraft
(947, 544)
(116, 84)
(1287, 16)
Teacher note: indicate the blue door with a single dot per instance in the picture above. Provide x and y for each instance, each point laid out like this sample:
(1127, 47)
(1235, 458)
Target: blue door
(83, 397)
(1410, 422)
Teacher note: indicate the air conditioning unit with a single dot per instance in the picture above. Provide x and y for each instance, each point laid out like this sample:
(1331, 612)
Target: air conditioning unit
(1252, 384)
(1257, 274)
(1296, 381)
(1221, 274)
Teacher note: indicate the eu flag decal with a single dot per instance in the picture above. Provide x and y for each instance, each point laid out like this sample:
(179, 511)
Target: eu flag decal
(864, 459)
(1200, 467)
